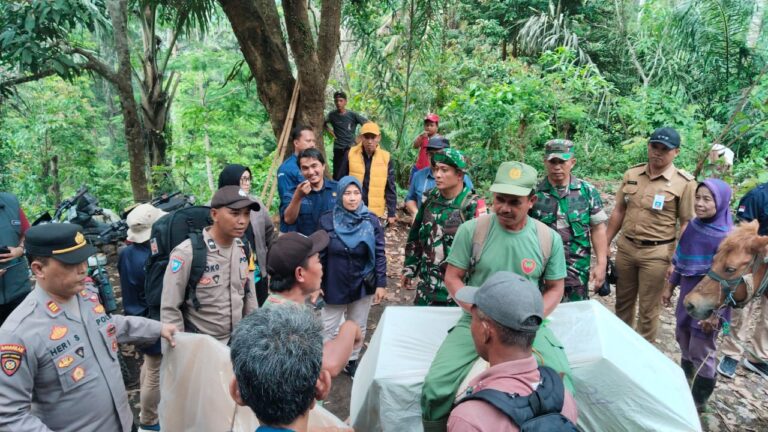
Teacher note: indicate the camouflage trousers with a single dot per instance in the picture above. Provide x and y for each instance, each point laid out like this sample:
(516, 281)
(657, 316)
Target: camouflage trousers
(575, 293)
(429, 296)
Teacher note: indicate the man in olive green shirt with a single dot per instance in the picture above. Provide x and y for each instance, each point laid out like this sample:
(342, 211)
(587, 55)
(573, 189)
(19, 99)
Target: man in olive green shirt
(513, 242)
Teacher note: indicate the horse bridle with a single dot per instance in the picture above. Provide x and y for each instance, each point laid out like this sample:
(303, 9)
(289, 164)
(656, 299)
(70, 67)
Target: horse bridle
(727, 286)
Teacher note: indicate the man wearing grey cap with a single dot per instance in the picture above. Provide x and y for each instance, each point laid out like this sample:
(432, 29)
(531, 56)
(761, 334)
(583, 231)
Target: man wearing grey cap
(224, 293)
(506, 313)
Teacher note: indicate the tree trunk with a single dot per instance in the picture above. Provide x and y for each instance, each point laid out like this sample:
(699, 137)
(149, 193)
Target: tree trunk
(122, 80)
(756, 23)
(256, 24)
(156, 94)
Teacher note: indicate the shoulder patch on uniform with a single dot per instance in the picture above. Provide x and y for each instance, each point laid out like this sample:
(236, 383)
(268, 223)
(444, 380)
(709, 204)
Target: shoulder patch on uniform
(686, 175)
(53, 307)
(58, 332)
(176, 264)
(10, 358)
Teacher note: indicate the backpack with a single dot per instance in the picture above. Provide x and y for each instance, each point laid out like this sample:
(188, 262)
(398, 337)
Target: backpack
(482, 229)
(537, 412)
(167, 233)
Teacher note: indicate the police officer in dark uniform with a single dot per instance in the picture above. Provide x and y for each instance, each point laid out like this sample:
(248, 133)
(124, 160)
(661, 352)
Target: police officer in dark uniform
(58, 349)
(14, 273)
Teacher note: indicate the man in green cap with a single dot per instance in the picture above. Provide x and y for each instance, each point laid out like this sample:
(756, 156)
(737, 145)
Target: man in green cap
(447, 206)
(573, 208)
(505, 240)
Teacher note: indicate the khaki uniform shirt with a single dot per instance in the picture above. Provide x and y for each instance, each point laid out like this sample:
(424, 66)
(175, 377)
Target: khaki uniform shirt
(654, 205)
(223, 291)
(60, 367)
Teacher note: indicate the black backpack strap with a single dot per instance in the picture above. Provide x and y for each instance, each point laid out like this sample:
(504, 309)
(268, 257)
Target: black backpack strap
(515, 407)
(199, 255)
(547, 399)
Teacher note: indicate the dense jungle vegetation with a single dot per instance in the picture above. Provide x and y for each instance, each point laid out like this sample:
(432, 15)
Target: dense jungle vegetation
(136, 97)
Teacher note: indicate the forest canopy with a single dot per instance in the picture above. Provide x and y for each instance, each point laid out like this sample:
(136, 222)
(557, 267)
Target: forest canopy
(138, 97)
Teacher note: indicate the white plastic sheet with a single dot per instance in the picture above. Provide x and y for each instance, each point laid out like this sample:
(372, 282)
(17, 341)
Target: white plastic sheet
(622, 382)
(194, 384)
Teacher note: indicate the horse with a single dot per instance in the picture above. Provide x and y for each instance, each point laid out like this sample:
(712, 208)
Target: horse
(741, 254)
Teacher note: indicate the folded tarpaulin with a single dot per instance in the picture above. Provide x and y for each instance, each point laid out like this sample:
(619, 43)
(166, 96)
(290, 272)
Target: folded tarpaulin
(194, 384)
(623, 383)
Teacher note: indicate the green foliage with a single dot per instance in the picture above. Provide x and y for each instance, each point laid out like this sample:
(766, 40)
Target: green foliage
(56, 119)
(36, 34)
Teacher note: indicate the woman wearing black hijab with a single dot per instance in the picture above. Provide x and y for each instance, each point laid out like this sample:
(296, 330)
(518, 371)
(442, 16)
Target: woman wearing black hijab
(260, 233)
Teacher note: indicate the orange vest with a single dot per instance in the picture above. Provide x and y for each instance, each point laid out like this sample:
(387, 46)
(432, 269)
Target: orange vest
(377, 178)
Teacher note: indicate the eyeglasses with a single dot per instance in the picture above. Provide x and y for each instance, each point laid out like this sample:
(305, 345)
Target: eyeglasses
(246, 180)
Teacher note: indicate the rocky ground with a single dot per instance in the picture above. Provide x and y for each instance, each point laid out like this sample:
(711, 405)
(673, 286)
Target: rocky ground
(739, 404)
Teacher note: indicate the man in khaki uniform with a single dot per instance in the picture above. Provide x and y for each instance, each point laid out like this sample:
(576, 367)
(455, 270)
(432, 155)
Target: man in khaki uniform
(223, 291)
(652, 199)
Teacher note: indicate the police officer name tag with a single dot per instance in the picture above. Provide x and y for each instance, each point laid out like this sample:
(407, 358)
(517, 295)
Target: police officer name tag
(658, 202)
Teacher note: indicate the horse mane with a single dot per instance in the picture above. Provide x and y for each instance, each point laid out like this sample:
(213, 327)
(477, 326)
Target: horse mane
(740, 238)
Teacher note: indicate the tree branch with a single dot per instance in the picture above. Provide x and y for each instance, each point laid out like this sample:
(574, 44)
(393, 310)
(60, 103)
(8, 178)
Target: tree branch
(27, 78)
(95, 64)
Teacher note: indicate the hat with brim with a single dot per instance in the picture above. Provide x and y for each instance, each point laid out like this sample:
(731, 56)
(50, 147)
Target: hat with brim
(667, 136)
(233, 197)
(370, 128)
(514, 178)
(559, 149)
(140, 221)
(291, 249)
(63, 242)
(507, 298)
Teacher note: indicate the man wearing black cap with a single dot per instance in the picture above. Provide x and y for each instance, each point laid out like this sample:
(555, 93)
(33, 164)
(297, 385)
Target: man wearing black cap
(58, 349)
(423, 180)
(506, 313)
(223, 291)
(295, 273)
(652, 199)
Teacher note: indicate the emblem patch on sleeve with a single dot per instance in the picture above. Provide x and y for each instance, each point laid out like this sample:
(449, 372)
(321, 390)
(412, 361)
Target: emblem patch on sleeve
(176, 264)
(10, 358)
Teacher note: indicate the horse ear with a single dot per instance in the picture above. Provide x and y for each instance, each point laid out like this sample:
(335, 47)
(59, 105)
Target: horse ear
(759, 245)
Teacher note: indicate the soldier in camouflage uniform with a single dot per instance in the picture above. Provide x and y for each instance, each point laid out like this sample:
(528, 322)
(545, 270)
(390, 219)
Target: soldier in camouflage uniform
(573, 208)
(447, 206)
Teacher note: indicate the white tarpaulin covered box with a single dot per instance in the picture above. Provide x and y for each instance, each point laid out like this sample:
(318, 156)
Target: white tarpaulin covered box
(194, 383)
(623, 383)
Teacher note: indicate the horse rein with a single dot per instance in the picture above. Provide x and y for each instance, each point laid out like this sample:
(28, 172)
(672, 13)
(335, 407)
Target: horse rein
(727, 286)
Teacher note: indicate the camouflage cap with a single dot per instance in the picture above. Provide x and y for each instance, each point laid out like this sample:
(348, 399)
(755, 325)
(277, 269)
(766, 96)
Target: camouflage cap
(559, 149)
(514, 178)
(452, 157)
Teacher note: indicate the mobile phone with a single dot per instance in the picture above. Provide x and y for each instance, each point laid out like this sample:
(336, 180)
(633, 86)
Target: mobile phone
(4, 250)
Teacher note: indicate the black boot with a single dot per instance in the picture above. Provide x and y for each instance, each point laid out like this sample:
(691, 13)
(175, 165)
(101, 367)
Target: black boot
(702, 389)
(688, 369)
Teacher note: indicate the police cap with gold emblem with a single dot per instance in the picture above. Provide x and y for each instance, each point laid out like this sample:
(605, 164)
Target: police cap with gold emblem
(63, 241)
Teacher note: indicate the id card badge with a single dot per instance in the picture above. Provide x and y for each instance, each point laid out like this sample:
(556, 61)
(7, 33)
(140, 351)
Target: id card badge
(658, 202)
